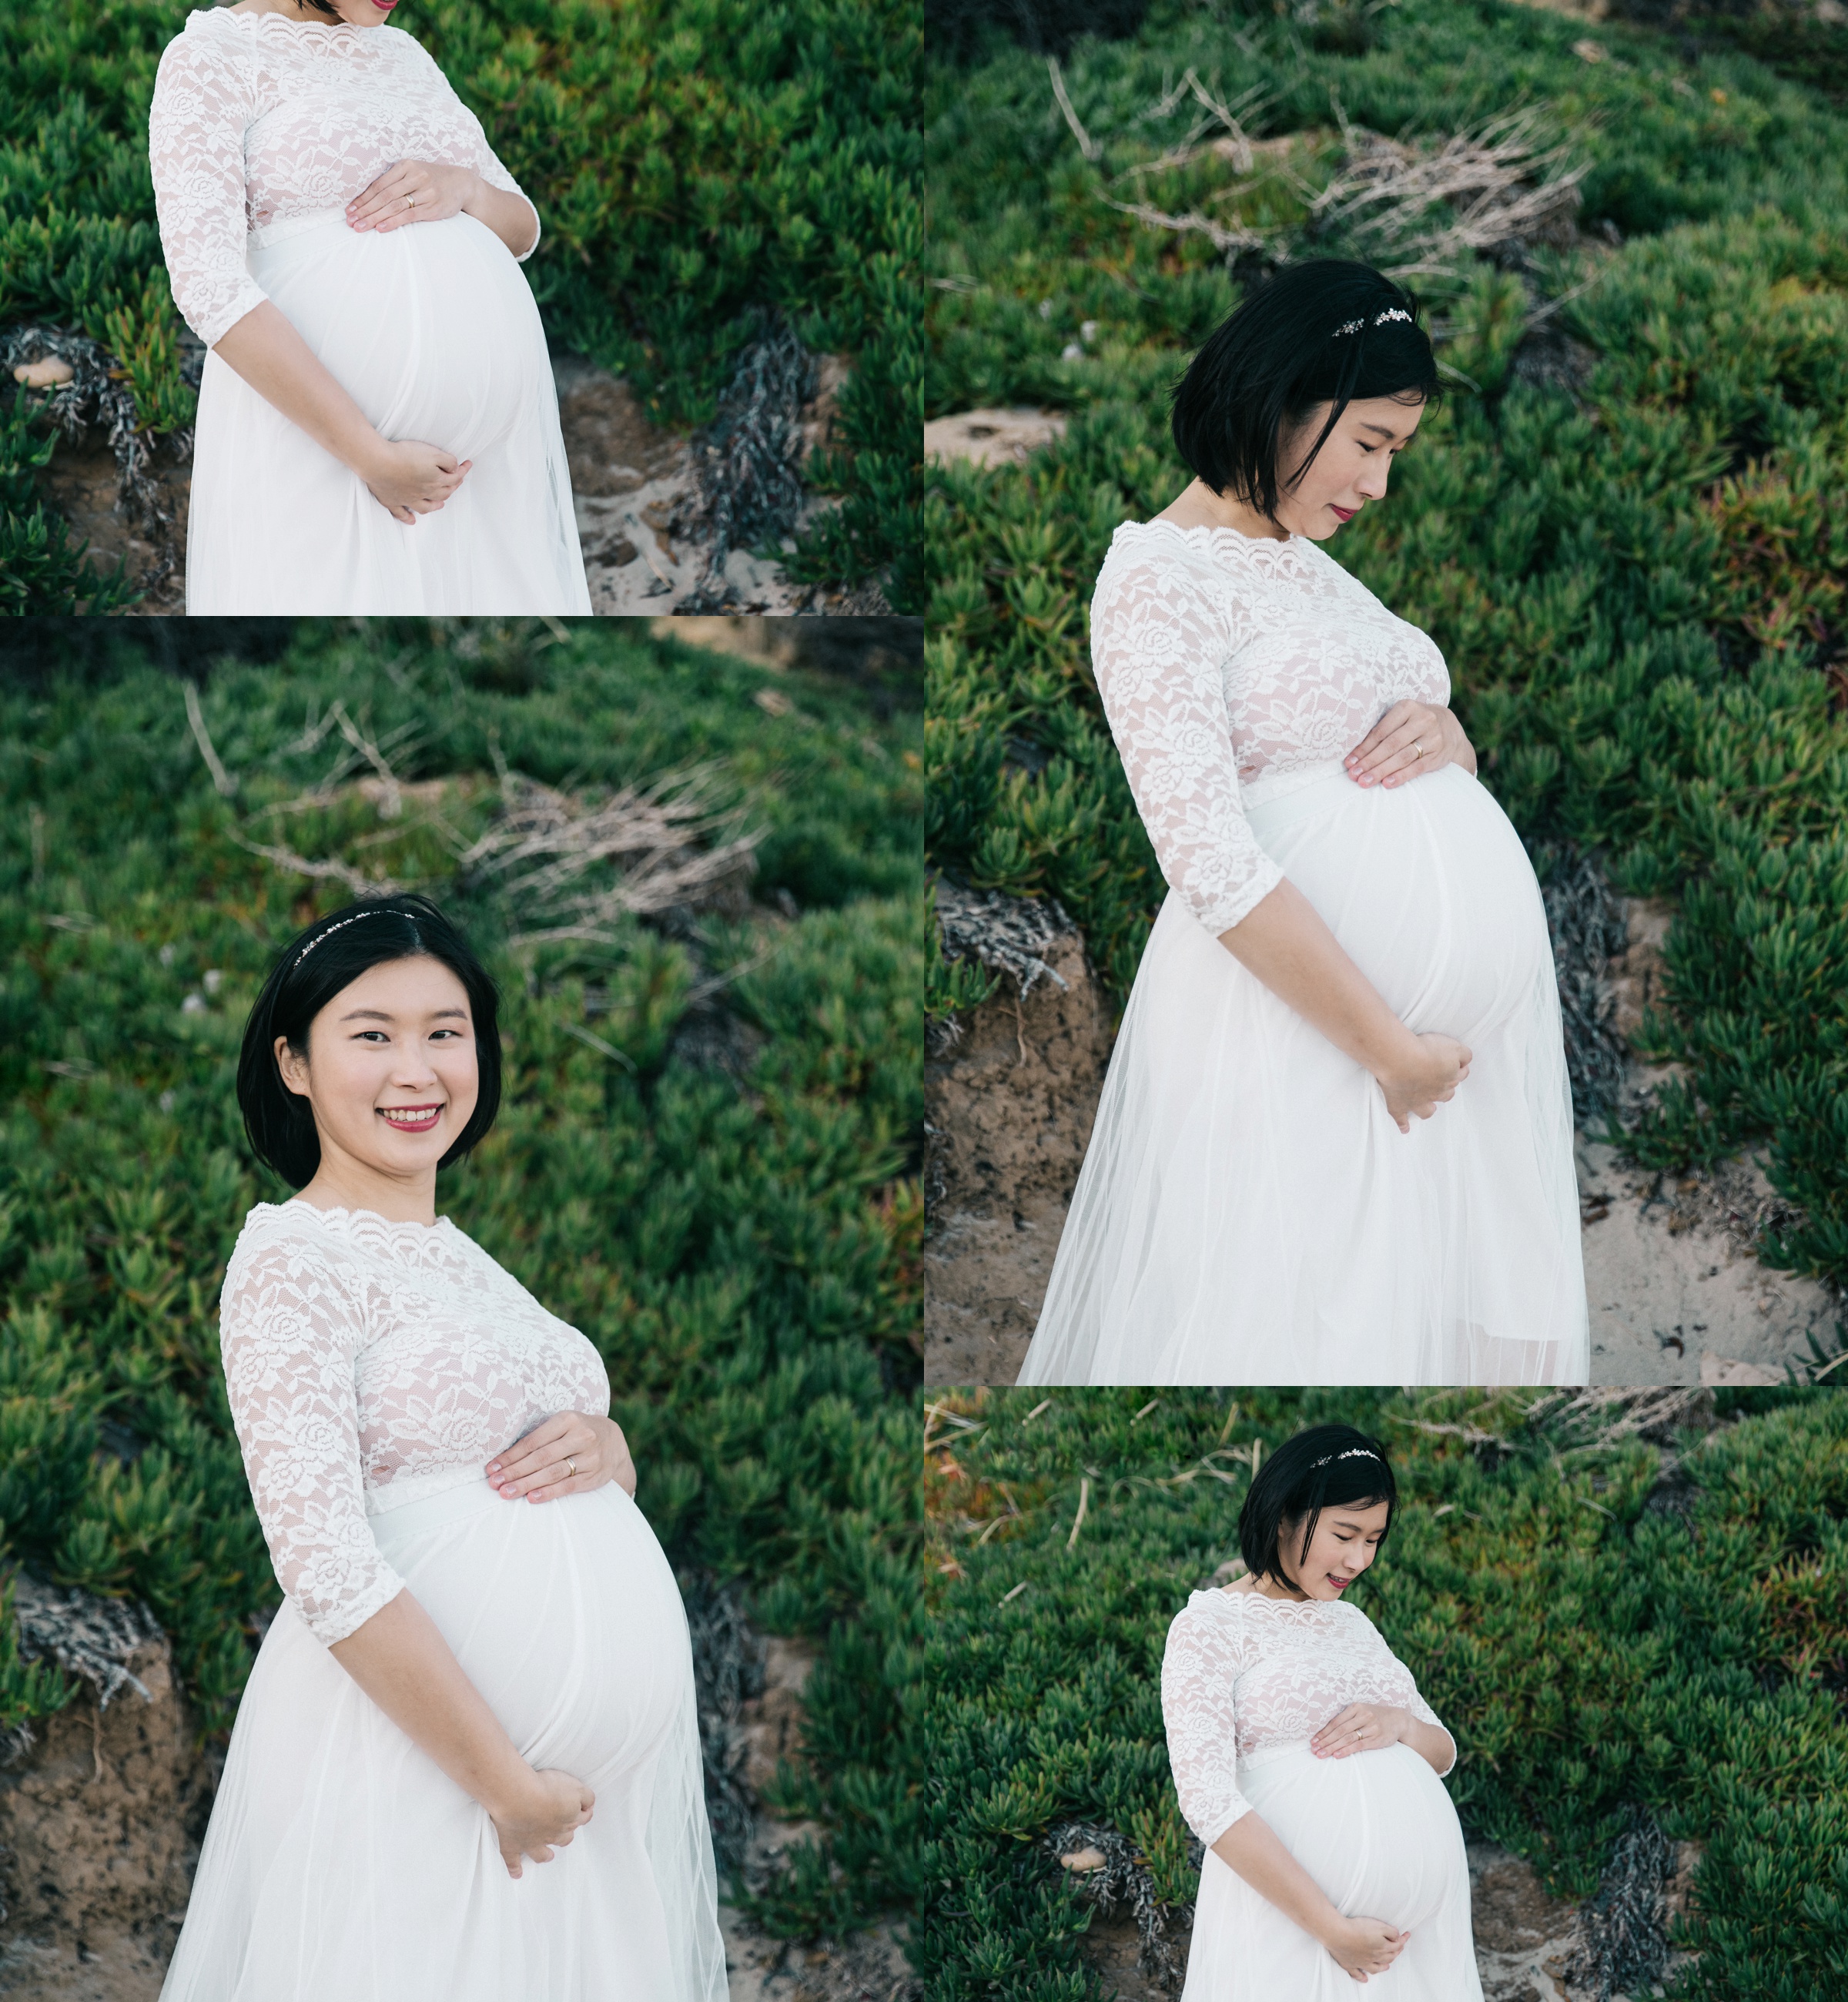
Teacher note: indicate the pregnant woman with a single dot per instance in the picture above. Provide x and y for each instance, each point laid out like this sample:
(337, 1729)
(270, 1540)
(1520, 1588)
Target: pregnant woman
(1307, 1761)
(377, 427)
(466, 1765)
(1335, 1141)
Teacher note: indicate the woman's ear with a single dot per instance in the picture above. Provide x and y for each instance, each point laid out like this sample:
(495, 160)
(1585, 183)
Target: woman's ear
(292, 1064)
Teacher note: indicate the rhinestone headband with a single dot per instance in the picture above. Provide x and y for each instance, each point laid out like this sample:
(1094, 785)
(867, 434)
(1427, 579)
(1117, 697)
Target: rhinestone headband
(1379, 319)
(380, 911)
(1353, 1452)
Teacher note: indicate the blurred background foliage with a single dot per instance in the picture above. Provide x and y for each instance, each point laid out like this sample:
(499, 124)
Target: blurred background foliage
(705, 1158)
(1624, 529)
(697, 164)
(1605, 1622)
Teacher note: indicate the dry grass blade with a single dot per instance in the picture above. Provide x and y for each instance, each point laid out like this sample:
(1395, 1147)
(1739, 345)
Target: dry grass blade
(1238, 238)
(332, 869)
(546, 843)
(1501, 186)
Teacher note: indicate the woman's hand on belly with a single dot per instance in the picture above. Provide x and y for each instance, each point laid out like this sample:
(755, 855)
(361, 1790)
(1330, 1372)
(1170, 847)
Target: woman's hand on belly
(1361, 1727)
(407, 478)
(1364, 1947)
(413, 191)
(1427, 1071)
(541, 1817)
(1411, 741)
(433, 191)
(540, 1465)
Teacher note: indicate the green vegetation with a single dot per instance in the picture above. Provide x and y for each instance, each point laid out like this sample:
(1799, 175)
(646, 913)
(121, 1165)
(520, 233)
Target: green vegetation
(696, 163)
(740, 1242)
(1599, 1631)
(1627, 542)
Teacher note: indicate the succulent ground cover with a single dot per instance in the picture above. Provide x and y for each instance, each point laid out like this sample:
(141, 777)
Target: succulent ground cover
(706, 1157)
(1627, 1606)
(703, 168)
(1623, 527)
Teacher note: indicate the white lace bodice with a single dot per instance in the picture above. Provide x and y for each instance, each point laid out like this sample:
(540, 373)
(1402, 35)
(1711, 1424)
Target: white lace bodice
(369, 1364)
(257, 118)
(1227, 663)
(1243, 1672)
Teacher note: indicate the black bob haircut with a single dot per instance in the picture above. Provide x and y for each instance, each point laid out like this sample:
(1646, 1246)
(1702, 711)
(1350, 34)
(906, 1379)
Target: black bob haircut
(1312, 334)
(1326, 1466)
(331, 955)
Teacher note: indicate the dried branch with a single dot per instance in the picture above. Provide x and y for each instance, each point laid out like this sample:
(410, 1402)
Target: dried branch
(1087, 144)
(226, 784)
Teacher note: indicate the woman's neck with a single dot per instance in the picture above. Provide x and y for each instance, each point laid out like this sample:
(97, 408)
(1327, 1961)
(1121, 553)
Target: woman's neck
(1197, 506)
(350, 1185)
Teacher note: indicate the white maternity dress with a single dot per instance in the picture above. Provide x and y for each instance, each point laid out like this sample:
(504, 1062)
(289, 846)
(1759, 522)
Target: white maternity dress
(1247, 1682)
(373, 1369)
(1248, 1212)
(262, 129)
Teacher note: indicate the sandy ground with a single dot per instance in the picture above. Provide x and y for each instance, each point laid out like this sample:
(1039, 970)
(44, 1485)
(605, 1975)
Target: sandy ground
(100, 1822)
(1675, 1294)
(1523, 1935)
(630, 479)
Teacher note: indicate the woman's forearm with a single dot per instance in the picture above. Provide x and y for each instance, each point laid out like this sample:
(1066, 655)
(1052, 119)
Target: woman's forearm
(1432, 1743)
(1285, 942)
(267, 350)
(400, 1659)
(1251, 1847)
(511, 216)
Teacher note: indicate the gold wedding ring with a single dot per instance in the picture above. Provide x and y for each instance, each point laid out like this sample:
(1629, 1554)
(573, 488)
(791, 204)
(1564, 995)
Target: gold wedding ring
(573, 1466)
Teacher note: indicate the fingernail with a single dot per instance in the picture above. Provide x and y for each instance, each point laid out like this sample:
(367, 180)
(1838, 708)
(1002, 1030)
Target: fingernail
(493, 1467)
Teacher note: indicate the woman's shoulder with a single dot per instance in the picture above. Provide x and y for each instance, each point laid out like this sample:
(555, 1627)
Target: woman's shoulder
(1211, 1609)
(1217, 566)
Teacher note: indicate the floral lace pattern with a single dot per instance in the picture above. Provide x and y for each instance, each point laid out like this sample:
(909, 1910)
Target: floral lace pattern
(257, 118)
(1221, 657)
(358, 1353)
(1242, 1673)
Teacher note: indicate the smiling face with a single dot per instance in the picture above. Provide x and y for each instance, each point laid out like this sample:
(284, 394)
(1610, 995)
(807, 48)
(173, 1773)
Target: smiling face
(1349, 471)
(1347, 1536)
(390, 1072)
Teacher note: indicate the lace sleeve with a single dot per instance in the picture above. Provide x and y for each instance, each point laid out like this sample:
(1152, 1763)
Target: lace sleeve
(288, 1337)
(483, 157)
(1157, 646)
(1198, 1671)
(196, 124)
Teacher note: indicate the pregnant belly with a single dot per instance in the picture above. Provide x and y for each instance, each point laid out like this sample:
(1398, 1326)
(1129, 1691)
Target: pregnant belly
(1376, 1831)
(566, 1616)
(432, 329)
(1427, 887)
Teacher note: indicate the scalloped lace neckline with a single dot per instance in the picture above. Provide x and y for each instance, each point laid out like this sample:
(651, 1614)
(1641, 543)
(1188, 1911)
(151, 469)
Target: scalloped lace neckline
(287, 21)
(1287, 1604)
(1209, 529)
(340, 1209)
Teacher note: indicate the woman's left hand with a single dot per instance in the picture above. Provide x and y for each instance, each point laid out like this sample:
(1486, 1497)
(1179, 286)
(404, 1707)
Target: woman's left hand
(413, 191)
(1412, 739)
(1361, 1727)
(536, 1465)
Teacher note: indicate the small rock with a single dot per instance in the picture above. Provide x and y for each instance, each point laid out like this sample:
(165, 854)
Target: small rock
(43, 374)
(1726, 1372)
(991, 438)
(1083, 1859)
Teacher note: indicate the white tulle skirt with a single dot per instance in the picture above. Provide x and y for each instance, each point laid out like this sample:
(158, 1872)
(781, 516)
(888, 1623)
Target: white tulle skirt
(1248, 1212)
(1378, 1832)
(342, 1864)
(432, 330)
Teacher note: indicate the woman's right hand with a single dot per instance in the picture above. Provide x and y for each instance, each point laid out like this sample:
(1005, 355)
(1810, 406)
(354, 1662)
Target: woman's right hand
(1364, 1947)
(544, 1817)
(1427, 1071)
(408, 479)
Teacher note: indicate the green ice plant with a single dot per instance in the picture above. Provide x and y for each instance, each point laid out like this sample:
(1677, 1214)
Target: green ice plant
(740, 1243)
(1626, 536)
